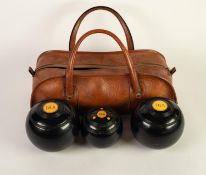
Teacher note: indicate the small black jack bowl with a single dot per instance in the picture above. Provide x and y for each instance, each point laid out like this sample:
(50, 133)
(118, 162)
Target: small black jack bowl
(102, 127)
(50, 125)
(157, 123)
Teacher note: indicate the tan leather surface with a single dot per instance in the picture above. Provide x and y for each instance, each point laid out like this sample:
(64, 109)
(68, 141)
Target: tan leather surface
(107, 86)
(132, 74)
(95, 79)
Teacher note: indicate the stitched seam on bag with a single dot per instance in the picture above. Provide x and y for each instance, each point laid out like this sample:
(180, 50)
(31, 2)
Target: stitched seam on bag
(111, 52)
(129, 85)
(98, 66)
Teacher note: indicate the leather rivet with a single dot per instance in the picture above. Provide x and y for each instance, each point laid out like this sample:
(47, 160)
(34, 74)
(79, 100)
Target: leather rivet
(138, 94)
(69, 98)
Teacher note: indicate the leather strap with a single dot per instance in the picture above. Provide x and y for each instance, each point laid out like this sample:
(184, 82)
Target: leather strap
(128, 35)
(69, 72)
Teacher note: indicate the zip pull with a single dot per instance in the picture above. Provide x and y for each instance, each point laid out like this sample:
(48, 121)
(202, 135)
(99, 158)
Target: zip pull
(173, 70)
(31, 71)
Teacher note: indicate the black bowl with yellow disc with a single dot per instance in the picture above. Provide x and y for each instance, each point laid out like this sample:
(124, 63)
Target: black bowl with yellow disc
(157, 123)
(51, 125)
(102, 127)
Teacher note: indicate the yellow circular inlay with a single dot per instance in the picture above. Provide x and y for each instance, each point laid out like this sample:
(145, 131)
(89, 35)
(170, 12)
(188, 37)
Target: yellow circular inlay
(159, 105)
(108, 118)
(50, 107)
(101, 114)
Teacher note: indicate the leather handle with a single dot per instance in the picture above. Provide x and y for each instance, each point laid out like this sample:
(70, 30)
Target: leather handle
(128, 35)
(69, 72)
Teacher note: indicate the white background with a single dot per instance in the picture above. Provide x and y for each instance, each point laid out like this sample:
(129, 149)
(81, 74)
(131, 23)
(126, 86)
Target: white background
(176, 28)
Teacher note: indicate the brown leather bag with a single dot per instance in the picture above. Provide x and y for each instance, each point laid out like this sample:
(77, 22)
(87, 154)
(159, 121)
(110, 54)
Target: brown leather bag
(119, 79)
